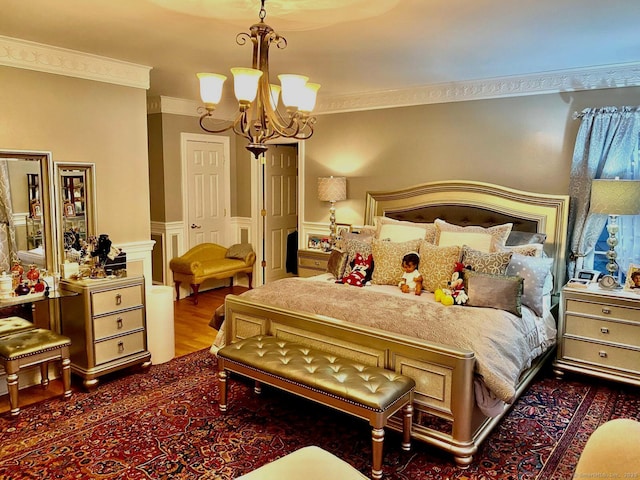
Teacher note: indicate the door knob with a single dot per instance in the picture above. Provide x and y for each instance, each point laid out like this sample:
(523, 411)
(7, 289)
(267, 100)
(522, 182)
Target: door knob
(193, 225)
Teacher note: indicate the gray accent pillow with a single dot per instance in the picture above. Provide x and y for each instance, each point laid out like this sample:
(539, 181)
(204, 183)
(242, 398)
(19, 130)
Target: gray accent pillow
(524, 238)
(494, 291)
(239, 250)
(337, 263)
(494, 263)
(534, 271)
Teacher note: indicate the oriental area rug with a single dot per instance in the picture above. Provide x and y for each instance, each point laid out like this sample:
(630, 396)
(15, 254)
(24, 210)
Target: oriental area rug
(164, 424)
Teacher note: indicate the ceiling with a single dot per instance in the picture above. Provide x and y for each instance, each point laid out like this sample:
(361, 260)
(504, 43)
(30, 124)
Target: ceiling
(349, 46)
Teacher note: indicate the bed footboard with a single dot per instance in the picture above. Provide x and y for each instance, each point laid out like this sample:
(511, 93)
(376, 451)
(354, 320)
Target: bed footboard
(446, 414)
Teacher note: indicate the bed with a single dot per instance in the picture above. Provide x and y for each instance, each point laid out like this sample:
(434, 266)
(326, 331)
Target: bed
(453, 377)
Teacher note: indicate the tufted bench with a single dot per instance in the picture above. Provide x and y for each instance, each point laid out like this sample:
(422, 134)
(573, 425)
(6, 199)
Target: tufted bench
(367, 392)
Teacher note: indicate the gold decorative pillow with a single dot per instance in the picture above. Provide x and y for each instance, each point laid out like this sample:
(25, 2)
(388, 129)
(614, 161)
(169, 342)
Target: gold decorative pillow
(437, 264)
(403, 231)
(387, 257)
(239, 250)
(529, 250)
(337, 263)
(500, 233)
(494, 263)
(494, 291)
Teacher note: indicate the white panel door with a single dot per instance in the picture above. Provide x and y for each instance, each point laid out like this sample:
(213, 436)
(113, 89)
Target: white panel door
(281, 184)
(206, 190)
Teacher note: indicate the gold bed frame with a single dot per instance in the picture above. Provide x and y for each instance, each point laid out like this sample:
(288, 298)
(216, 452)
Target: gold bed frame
(446, 412)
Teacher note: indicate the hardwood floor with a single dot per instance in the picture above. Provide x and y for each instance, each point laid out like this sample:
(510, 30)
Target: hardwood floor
(192, 333)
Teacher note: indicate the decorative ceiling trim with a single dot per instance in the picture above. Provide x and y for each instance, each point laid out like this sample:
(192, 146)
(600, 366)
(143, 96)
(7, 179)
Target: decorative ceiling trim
(176, 106)
(61, 61)
(607, 76)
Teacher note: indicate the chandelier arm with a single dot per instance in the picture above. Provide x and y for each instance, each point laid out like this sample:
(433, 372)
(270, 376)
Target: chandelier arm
(209, 130)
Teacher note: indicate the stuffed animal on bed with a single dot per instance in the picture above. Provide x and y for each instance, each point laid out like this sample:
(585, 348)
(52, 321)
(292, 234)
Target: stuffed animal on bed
(455, 293)
(360, 271)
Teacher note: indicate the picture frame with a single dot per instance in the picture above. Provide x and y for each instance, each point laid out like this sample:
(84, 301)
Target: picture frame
(69, 209)
(342, 228)
(36, 209)
(632, 283)
(314, 242)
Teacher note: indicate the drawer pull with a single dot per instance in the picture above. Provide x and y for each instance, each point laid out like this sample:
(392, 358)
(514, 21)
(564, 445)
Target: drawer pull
(120, 347)
(606, 311)
(604, 330)
(118, 299)
(602, 354)
(317, 263)
(119, 323)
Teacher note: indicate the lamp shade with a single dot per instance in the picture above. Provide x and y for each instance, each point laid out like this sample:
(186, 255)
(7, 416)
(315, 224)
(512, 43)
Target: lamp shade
(332, 189)
(615, 197)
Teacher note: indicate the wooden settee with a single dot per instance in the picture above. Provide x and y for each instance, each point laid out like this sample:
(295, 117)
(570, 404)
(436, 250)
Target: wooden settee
(211, 261)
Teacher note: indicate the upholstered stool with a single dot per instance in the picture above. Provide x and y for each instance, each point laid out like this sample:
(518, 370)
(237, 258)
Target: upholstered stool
(308, 463)
(27, 348)
(11, 325)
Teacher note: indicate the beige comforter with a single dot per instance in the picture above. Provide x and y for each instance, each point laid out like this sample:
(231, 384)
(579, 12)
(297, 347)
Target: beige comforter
(504, 345)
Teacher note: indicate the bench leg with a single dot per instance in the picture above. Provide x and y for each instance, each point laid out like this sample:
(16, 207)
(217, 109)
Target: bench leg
(222, 382)
(377, 437)
(250, 277)
(195, 287)
(177, 283)
(44, 374)
(407, 412)
(257, 388)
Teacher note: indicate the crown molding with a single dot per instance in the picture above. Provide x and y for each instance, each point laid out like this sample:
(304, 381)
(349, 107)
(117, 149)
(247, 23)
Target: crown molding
(176, 106)
(607, 76)
(71, 63)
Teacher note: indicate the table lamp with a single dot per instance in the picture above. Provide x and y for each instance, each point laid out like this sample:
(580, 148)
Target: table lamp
(332, 189)
(614, 197)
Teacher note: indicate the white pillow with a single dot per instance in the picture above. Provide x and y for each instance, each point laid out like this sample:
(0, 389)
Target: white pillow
(475, 240)
(402, 231)
(498, 232)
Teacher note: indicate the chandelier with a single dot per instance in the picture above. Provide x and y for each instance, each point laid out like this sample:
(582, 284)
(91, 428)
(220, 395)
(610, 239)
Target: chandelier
(259, 119)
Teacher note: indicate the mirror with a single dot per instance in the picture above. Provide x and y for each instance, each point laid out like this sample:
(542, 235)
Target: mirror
(75, 197)
(27, 232)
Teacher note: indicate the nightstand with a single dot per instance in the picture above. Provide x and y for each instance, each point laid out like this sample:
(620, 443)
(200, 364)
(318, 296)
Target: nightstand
(312, 262)
(599, 334)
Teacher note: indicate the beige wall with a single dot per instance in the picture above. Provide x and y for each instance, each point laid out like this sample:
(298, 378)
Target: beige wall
(165, 167)
(521, 142)
(85, 121)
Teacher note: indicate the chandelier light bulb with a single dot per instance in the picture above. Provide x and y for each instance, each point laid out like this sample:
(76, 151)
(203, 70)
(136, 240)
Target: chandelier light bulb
(245, 83)
(308, 97)
(292, 88)
(211, 88)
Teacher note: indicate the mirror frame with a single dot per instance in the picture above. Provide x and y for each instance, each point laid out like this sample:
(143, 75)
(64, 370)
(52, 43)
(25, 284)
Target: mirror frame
(88, 170)
(47, 201)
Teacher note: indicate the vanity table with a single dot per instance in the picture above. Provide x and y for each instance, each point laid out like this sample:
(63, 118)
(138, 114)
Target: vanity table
(106, 324)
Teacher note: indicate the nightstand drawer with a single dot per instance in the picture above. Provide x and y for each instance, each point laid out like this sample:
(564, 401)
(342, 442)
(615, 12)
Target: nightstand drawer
(314, 263)
(119, 347)
(603, 311)
(602, 330)
(117, 323)
(604, 355)
(118, 299)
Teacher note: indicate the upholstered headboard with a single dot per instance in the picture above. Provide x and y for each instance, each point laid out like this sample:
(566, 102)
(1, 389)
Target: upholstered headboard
(474, 203)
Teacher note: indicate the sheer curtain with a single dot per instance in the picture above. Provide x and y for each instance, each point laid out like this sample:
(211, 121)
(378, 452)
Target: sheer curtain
(8, 250)
(606, 147)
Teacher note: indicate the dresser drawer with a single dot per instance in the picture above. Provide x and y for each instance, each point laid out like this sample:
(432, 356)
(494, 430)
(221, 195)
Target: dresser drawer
(117, 299)
(119, 347)
(603, 355)
(117, 323)
(603, 330)
(603, 311)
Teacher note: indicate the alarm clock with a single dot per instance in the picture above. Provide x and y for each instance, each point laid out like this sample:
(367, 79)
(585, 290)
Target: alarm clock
(608, 282)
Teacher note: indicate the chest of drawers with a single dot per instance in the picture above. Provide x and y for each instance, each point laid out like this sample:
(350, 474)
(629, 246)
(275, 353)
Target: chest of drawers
(599, 334)
(312, 262)
(107, 326)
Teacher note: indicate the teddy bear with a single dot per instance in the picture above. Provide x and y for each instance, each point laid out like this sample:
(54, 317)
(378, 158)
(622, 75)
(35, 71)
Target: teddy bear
(359, 271)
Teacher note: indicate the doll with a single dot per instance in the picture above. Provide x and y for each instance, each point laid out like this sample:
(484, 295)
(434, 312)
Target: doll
(411, 278)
